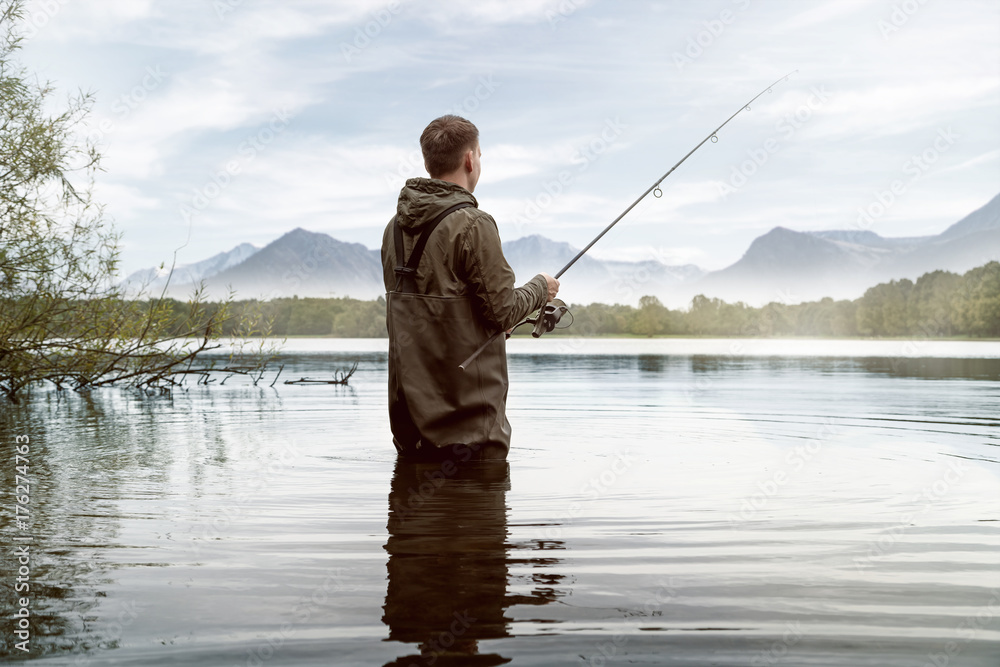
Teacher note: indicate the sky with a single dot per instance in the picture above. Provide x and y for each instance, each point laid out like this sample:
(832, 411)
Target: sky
(231, 121)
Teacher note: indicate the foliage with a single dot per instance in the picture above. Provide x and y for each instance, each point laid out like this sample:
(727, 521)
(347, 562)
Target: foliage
(341, 317)
(62, 317)
(976, 308)
(937, 305)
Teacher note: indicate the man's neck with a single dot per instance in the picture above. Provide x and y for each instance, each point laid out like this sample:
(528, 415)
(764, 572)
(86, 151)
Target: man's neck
(460, 179)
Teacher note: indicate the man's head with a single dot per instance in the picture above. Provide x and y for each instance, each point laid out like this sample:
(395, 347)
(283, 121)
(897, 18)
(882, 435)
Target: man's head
(450, 145)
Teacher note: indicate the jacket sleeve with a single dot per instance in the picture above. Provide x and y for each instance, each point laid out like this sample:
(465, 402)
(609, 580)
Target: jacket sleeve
(491, 280)
(388, 258)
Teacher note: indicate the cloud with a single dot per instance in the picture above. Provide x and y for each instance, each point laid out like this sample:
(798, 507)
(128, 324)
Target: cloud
(352, 139)
(503, 162)
(497, 12)
(822, 14)
(311, 182)
(65, 21)
(890, 109)
(669, 255)
(125, 201)
(989, 157)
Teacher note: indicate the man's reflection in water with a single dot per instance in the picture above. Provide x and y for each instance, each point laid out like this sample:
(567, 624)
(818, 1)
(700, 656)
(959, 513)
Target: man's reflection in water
(447, 561)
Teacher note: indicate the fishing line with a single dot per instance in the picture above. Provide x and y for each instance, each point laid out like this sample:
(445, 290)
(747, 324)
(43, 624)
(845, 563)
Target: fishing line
(655, 187)
(542, 324)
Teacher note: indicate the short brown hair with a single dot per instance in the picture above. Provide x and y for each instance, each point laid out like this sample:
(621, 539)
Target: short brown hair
(444, 142)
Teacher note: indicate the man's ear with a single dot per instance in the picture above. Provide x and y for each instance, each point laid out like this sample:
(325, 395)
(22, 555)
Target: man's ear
(469, 160)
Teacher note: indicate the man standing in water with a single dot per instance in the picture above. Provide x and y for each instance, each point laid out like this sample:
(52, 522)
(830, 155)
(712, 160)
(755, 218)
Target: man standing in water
(449, 289)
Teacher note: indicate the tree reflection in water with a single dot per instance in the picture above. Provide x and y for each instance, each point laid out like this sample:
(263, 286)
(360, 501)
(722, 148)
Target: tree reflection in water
(448, 564)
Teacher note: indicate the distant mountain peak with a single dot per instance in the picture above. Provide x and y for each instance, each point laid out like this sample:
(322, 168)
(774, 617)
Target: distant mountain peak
(985, 218)
(539, 242)
(843, 263)
(189, 273)
(860, 236)
(784, 234)
(781, 264)
(299, 232)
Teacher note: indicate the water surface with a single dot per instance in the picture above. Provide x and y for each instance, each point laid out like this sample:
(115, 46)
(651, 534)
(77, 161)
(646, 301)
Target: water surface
(665, 502)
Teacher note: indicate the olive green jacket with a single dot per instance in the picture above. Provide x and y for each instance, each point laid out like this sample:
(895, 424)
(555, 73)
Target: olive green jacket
(464, 293)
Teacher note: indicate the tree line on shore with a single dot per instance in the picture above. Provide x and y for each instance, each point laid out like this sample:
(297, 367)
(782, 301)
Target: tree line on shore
(939, 304)
(66, 320)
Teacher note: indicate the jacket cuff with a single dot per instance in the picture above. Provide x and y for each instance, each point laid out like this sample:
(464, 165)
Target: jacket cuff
(542, 293)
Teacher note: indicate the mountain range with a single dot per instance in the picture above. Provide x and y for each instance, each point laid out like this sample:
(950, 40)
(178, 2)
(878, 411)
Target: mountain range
(782, 265)
(785, 265)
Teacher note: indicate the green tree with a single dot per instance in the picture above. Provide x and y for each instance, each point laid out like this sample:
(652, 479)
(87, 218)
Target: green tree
(651, 319)
(977, 307)
(777, 319)
(312, 317)
(598, 318)
(827, 317)
(931, 303)
(738, 319)
(883, 310)
(62, 316)
(704, 316)
(360, 319)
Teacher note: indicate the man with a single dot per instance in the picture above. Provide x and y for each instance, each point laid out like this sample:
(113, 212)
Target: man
(449, 289)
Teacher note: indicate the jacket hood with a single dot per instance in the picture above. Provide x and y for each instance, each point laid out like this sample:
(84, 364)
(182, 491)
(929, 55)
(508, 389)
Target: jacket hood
(421, 199)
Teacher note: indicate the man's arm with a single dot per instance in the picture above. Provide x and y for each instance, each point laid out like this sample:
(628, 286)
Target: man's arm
(491, 280)
(388, 258)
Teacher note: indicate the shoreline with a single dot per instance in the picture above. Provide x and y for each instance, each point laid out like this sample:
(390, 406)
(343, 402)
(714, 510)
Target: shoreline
(527, 336)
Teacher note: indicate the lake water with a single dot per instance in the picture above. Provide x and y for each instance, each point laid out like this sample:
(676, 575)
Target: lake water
(665, 502)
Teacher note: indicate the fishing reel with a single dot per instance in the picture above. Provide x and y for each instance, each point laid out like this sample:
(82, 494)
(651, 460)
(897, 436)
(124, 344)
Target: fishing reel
(548, 317)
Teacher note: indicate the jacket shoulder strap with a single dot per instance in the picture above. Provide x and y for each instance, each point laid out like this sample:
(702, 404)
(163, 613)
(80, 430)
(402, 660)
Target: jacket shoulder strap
(407, 271)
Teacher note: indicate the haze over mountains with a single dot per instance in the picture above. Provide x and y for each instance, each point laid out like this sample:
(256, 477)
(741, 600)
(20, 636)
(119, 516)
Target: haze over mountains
(782, 265)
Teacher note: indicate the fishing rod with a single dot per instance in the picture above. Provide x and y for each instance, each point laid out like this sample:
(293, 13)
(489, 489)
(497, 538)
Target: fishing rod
(550, 314)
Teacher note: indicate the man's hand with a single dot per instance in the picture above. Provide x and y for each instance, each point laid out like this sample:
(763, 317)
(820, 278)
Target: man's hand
(553, 285)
